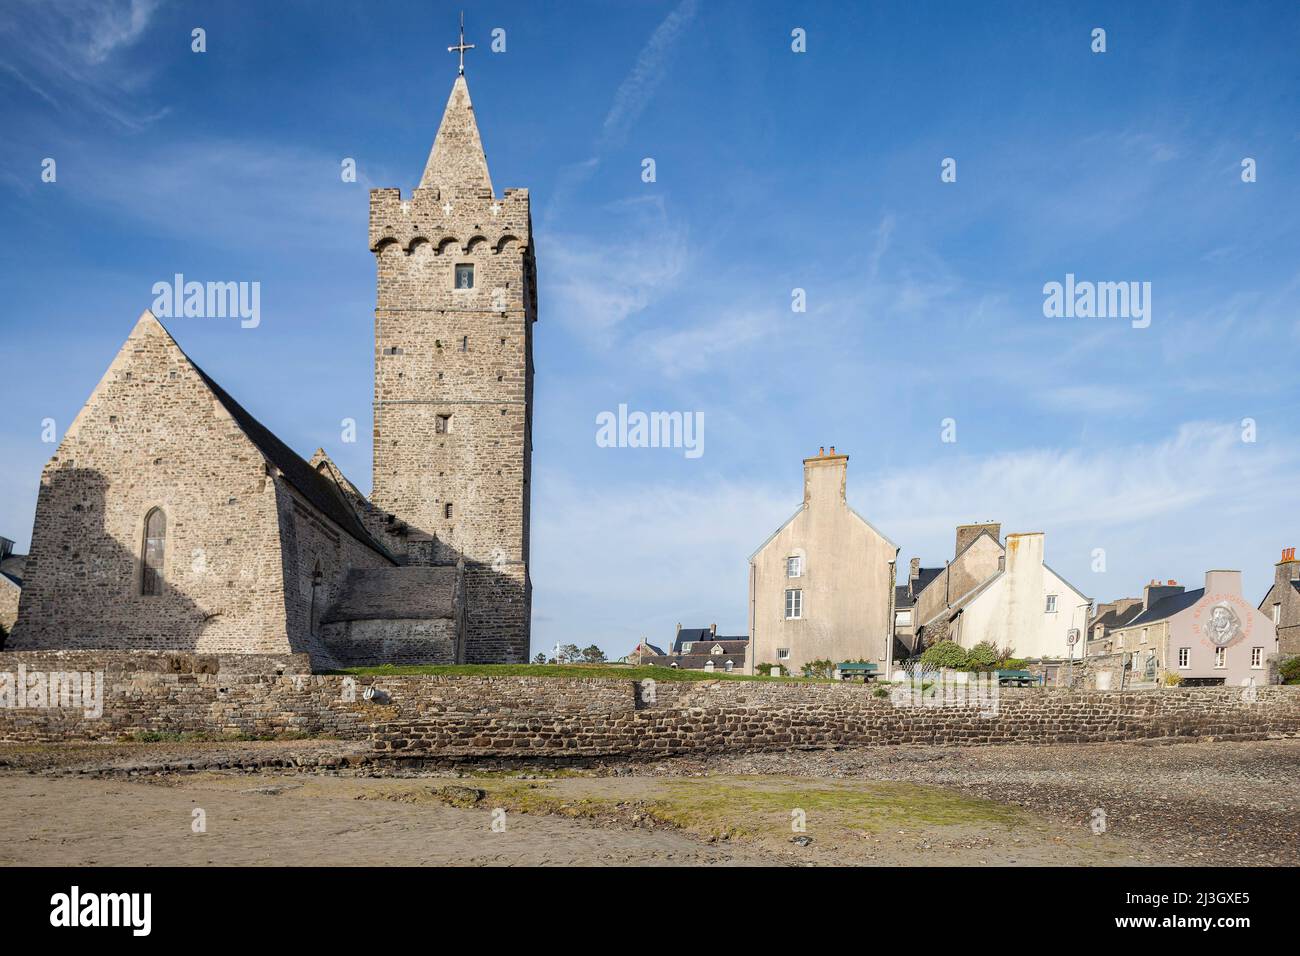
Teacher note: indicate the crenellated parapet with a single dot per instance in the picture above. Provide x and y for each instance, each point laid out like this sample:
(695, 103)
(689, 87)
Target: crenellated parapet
(486, 226)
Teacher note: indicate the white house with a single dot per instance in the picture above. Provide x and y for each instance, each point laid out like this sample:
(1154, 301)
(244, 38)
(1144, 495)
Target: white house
(1025, 605)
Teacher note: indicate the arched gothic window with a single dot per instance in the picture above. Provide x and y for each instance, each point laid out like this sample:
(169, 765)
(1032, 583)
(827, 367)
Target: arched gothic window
(155, 544)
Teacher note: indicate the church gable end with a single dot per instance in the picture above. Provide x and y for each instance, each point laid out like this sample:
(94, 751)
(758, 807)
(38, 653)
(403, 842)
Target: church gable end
(156, 525)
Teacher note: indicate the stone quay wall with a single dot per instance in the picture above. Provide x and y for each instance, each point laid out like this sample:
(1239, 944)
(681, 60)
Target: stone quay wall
(464, 717)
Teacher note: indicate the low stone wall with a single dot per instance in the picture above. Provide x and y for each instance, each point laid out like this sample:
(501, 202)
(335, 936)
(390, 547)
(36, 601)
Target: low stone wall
(475, 717)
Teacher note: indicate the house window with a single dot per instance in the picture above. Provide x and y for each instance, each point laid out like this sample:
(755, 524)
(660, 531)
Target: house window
(783, 653)
(717, 649)
(730, 665)
(1220, 657)
(1144, 635)
(1277, 614)
(155, 545)
(903, 618)
(442, 424)
(1184, 657)
(464, 275)
(446, 511)
(686, 648)
(1257, 657)
(794, 566)
(793, 604)
(1051, 604)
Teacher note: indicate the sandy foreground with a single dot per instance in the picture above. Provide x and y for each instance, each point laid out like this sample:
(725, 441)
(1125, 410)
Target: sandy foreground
(313, 803)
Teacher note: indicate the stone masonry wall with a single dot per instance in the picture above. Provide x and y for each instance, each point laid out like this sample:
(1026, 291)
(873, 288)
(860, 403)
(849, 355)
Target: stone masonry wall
(153, 436)
(453, 378)
(478, 717)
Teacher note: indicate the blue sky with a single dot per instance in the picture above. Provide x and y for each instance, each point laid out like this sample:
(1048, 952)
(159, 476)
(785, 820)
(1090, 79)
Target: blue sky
(774, 171)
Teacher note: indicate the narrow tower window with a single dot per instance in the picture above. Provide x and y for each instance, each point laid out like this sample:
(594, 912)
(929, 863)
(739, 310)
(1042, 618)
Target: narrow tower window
(442, 424)
(446, 511)
(464, 275)
(155, 543)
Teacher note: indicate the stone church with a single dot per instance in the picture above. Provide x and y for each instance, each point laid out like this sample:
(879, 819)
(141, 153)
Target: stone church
(170, 518)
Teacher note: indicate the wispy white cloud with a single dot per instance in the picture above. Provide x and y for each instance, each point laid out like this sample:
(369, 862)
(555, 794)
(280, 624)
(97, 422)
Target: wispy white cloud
(630, 101)
(598, 284)
(71, 55)
(638, 87)
(226, 192)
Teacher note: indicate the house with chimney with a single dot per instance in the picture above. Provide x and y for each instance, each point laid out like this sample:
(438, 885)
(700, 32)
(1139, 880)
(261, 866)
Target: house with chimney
(1282, 603)
(1208, 636)
(1003, 594)
(700, 649)
(905, 595)
(821, 586)
(1106, 618)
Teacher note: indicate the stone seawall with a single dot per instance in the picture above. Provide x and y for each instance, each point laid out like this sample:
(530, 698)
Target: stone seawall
(471, 717)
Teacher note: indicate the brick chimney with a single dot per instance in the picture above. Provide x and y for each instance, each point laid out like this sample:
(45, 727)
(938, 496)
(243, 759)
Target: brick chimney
(966, 533)
(1155, 591)
(824, 476)
(914, 571)
(1288, 569)
(713, 630)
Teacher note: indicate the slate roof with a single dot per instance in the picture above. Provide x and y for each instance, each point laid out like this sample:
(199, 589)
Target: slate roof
(1167, 607)
(902, 597)
(696, 662)
(700, 635)
(13, 566)
(320, 491)
(1113, 618)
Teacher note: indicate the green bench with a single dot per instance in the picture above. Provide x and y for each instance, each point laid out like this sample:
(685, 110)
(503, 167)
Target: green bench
(1017, 678)
(851, 670)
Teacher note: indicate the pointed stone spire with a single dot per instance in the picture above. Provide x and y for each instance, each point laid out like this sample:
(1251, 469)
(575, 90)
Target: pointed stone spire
(456, 163)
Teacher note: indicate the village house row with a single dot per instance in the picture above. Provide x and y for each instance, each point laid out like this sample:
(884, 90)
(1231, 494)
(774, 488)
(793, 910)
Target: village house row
(823, 587)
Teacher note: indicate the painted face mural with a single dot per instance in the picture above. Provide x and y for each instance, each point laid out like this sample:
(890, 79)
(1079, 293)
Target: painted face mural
(1223, 626)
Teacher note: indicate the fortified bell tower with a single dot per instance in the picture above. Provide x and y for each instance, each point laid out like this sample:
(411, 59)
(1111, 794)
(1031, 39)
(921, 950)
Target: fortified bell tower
(454, 376)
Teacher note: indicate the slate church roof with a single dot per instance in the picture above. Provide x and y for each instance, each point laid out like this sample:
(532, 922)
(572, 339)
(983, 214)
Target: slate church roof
(319, 490)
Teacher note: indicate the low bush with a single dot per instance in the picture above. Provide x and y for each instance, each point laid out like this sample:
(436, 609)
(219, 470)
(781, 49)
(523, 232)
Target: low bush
(944, 654)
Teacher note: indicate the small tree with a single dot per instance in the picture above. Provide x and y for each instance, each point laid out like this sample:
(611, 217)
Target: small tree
(1289, 670)
(540, 658)
(982, 657)
(819, 668)
(944, 654)
(593, 655)
(569, 654)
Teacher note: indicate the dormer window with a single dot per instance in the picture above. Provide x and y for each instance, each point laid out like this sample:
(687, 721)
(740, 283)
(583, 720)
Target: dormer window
(717, 649)
(464, 275)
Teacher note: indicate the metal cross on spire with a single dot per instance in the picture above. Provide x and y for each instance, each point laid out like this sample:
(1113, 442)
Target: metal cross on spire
(462, 46)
